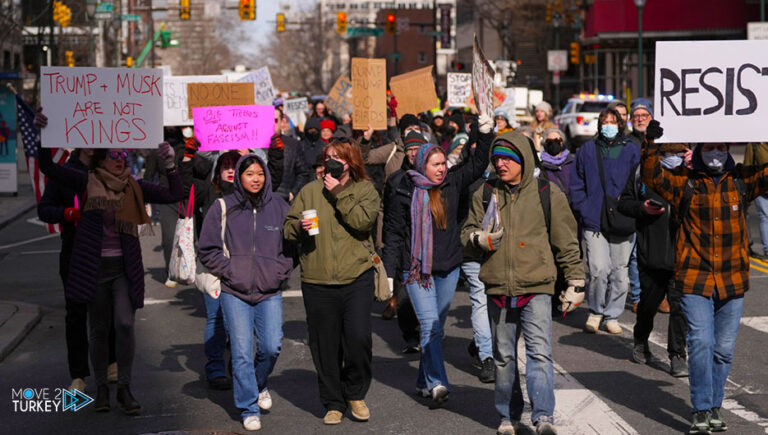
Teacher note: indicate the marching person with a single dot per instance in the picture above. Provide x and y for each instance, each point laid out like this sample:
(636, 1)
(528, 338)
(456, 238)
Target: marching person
(421, 236)
(711, 261)
(519, 273)
(337, 277)
(106, 269)
(252, 267)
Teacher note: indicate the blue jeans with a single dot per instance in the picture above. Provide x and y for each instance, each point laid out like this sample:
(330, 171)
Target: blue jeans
(243, 320)
(431, 306)
(481, 327)
(534, 320)
(712, 329)
(634, 274)
(762, 210)
(215, 338)
(607, 259)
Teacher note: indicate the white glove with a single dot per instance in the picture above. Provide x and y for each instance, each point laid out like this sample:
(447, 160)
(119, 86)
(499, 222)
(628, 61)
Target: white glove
(391, 283)
(486, 240)
(573, 296)
(485, 123)
(166, 153)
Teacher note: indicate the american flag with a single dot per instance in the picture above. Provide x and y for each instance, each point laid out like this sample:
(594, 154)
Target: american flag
(30, 137)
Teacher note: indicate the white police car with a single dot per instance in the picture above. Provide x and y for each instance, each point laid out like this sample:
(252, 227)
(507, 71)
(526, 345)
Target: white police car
(578, 120)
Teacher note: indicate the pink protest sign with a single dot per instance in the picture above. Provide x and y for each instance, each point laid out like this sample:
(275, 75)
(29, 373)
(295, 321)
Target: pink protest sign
(234, 127)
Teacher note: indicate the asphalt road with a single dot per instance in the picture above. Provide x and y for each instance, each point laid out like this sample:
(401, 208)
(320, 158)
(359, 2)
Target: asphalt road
(598, 389)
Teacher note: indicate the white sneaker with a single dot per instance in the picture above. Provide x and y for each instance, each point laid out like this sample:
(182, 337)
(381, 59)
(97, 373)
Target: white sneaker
(265, 400)
(170, 283)
(506, 428)
(593, 323)
(612, 326)
(252, 423)
(439, 394)
(78, 384)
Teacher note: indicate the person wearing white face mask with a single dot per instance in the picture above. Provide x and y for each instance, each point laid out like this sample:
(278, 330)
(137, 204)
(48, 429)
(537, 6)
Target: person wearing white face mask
(711, 261)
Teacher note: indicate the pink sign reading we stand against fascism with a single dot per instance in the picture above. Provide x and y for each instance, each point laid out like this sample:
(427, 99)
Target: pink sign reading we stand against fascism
(233, 127)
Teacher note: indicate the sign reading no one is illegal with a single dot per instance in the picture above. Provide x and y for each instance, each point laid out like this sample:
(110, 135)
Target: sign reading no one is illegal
(712, 91)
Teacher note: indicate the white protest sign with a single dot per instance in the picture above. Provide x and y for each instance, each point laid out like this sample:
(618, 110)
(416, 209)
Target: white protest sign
(263, 91)
(459, 88)
(482, 80)
(508, 105)
(175, 107)
(712, 91)
(296, 108)
(102, 107)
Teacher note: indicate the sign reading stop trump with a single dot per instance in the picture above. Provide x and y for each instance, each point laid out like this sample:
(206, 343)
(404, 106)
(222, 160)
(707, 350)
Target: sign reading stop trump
(712, 91)
(102, 107)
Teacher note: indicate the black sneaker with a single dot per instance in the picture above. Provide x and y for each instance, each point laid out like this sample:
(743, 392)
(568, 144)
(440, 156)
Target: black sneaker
(411, 348)
(126, 401)
(641, 354)
(716, 423)
(101, 404)
(700, 424)
(474, 352)
(220, 383)
(488, 371)
(678, 367)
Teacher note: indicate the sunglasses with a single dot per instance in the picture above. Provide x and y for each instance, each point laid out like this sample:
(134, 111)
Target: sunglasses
(118, 155)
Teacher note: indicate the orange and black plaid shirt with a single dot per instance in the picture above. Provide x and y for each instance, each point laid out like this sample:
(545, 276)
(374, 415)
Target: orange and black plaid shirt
(711, 246)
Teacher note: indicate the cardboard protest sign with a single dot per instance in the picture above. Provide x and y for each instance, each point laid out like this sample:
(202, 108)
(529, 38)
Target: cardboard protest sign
(369, 81)
(459, 88)
(175, 106)
(720, 97)
(219, 94)
(263, 91)
(339, 99)
(482, 80)
(415, 91)
(234, 127)
(296, 108)
(102, 107)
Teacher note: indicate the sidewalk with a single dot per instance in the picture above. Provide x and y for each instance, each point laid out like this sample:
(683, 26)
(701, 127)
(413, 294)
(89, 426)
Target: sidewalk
(13, 207)
(16, 320)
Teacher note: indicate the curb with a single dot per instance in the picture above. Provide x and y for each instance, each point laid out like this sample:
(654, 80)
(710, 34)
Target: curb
(21, 211)
(18, 325)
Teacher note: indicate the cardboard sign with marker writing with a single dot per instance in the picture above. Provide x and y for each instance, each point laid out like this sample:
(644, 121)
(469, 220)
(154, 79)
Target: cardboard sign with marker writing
(415, 91)
(175, 106)
(234, 127)
(369, 81)
(482, 80)
(219, 94)
(459, 88)
(102, 107)
(339, 99)
(263, 91)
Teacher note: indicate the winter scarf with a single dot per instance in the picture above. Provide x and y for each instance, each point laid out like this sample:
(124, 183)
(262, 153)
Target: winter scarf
(119, 194)
(555, 160)
(421, 220)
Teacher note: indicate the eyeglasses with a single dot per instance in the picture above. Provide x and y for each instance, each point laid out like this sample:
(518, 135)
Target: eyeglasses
(641, 116)
(118, 155)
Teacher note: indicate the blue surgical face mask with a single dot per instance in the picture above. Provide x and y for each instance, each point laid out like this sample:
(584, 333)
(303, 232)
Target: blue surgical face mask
(715, 159)
(671, 162)
(609, 131)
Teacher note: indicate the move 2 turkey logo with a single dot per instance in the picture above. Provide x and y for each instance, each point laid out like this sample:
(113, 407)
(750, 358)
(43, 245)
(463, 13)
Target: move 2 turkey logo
(30, 400)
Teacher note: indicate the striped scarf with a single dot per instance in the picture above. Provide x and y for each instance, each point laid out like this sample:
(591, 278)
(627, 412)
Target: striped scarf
(421, 220)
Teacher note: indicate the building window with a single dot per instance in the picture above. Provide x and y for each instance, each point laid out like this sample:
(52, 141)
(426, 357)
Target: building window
(422, 57)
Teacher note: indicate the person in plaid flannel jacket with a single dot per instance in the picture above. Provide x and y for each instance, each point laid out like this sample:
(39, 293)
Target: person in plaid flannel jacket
(711, 260)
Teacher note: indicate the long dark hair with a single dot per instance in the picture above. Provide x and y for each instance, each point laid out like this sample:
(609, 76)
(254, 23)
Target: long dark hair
(99, 155)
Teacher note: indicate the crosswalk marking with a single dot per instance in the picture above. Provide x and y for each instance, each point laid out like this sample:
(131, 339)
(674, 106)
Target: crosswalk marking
(759, 322)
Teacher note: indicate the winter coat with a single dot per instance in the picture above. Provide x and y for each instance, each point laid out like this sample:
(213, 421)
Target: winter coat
(586, 191)
(295, 172)
(756, 154)
(447, 252)
(86, 253)
(524, 262)
(346, 218)
(309, 148)
(256, 267)
(56, 198)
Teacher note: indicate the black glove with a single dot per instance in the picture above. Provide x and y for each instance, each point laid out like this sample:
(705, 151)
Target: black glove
(654, 130)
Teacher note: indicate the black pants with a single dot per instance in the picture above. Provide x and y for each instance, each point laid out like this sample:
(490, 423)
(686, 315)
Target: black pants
(339, 324)
(406, 316)
(655, 285)
(168, 215)
(111, 307)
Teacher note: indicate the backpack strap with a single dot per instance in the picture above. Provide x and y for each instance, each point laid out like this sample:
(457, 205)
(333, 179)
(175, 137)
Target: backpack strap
(487, 192)
(544, 198)
(223, 205)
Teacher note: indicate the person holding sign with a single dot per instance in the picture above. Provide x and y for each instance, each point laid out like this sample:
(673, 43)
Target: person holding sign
(422, 238)
(711, 260)
(106, 269)
(251, 263)
(332, 219)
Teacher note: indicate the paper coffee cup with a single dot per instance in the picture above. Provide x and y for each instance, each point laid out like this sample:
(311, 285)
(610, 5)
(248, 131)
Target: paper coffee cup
(312, 216)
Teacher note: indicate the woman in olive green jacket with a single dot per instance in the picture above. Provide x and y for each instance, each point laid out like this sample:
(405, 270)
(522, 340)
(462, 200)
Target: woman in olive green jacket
(337, 279)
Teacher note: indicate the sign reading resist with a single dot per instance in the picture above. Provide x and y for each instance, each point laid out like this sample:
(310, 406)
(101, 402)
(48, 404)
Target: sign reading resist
(720, 97)
(102, 107)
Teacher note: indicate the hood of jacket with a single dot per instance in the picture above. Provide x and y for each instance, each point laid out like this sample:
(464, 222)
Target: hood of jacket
(527, 158)
(313, 122)
(699, 166)
(266, 194)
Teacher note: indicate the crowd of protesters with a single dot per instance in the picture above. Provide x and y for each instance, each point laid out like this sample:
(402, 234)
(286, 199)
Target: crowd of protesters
(527, 220)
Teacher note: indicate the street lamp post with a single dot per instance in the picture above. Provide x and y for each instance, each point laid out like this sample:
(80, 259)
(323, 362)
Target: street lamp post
(90, 10)
(639, 4)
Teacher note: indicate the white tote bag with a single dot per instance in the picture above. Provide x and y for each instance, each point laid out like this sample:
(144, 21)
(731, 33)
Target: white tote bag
(204, 280)
(182, 265)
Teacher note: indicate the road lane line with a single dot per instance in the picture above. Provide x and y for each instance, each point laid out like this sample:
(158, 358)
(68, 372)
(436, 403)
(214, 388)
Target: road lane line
(24, 242)
(50, 251)
(153, 301)
(756, 265)
(759, 322)
(292, 293)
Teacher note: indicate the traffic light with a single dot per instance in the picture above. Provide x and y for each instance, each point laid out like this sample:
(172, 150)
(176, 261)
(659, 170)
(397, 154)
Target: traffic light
(247, 9)
(548, 17)
(391, 25)
(184, 10)
(280, 22)
(575, 53)
(129, 62)
(70, 56)
(341, 22)
(61, 13)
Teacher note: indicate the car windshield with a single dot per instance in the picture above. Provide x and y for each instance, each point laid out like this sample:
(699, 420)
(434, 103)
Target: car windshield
(592, 106)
